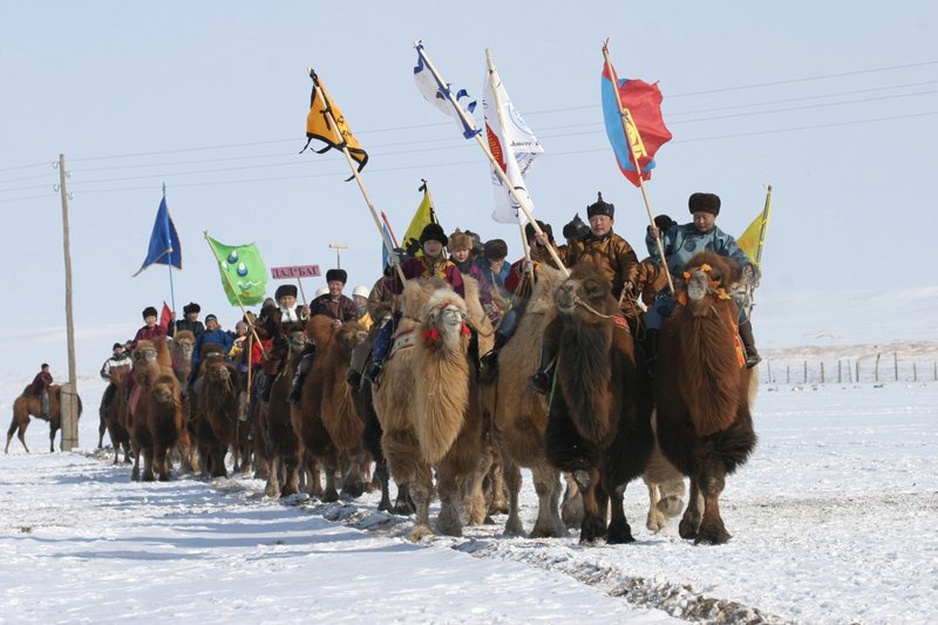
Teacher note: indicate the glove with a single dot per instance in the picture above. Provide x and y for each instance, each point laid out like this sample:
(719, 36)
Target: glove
(750, 276)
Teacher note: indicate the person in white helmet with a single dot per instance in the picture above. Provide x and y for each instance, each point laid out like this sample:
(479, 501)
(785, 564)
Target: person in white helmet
(360, 297)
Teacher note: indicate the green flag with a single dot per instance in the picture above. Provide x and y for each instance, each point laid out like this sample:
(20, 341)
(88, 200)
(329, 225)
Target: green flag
(243, 273)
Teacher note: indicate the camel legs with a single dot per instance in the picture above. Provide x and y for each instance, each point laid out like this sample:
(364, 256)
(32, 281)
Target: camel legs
(513, 526)
(547, 486)
(619, 530)
(421, 487)
(20, 434)
(691, 519)
(571, 508)
(448, 488)
(595, 502)
(712, 531)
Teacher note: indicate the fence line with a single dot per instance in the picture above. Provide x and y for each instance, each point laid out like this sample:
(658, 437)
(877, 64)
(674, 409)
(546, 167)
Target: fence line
(848, 371)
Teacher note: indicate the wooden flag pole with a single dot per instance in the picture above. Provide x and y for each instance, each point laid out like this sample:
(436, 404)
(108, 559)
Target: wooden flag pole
(626, 119)
(357, 176)
(765, 225)
(469, 123)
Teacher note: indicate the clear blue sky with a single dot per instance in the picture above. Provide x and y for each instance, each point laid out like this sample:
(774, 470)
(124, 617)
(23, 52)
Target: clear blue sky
(832, 103)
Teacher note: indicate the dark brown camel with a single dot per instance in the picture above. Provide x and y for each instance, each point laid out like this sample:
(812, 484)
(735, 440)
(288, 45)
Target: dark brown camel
(703, 392)
(218, 424)
(599, 416)
(115, 415)
(27, 405)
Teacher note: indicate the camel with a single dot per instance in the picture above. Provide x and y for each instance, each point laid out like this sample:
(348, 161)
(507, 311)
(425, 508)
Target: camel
(181, 347)
(339, 414)
(27, 405)
(283, 445)
(218, 423)
(115, 415)
(703, 392)
(521, 414)
(155, 415)
(429, 414)
(599, 415)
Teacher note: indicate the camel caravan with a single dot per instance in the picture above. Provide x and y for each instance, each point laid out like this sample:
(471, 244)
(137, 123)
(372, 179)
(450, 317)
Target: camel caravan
(438, 400)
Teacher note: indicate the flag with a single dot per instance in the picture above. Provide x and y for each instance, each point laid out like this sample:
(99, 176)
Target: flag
(242, 270)
(437, 93)
(752, 240)
(644, 124)
(166, 316)
(319, 125)
(164, 242)
(424, 215)
(513, 145)
(385, 252)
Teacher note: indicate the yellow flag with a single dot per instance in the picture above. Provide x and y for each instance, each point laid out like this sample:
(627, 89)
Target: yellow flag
(319, 125)
(752, 240)
(424, 215)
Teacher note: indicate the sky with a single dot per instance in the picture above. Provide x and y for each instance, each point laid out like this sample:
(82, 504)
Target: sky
(832, 104)
(832, 521)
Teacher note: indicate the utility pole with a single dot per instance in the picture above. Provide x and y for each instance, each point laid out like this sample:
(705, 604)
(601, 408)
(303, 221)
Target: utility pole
(68, 399)
(338, 247)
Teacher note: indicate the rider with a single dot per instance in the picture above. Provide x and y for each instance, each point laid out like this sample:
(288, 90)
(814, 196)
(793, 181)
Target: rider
(213, 334)
(40, 388)
(119, 358)
(683, 242)
(331, 304)
(190, 321)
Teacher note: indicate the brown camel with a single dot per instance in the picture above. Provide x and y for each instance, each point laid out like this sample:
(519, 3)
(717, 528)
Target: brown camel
(115, 415)
(425, 402)
(703, 392)
(218, 424)
(521, 414)
(599, 419)
(181, 348)
(283, 445)
(27, 405)
(339, 415)
(155, 422)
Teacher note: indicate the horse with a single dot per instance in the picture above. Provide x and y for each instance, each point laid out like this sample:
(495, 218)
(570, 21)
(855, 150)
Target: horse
(27, 405)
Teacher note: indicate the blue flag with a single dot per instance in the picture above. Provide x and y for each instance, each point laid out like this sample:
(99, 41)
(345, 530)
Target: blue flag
(164, 242)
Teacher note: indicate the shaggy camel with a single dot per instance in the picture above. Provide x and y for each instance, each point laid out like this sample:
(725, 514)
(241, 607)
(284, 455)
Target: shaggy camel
(599, 419)
(155, 415)
(283, 446)
(115, 415)
(521, 414)
(425, 402)
(218, 426)
(703, 392)
(27, 405)
(181, 348)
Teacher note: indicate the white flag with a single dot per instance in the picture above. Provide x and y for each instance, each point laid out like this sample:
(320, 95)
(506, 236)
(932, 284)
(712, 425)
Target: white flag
(434, 91)
(514, 146)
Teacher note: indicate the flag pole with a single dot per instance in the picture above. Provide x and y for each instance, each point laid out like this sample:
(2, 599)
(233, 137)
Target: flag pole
(172, 293)
(244, 312)
(501, 123)
(626, 119)
(765, 225)
(361, 184)
(469, 123)
(387, 223)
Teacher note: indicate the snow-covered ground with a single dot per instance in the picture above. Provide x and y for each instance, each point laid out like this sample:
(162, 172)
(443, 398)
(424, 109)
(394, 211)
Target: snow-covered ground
(833, 518)
(833, 521)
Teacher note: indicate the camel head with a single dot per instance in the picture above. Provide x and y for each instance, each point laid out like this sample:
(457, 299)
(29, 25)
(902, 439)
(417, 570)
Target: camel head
(707, 276)
(216, 369)
(144, 354)
(183, 346)
(297, 339)
(444, 318)
(165, 389)
(588, 288)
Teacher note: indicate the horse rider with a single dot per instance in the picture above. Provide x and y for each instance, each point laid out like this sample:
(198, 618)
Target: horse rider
(333, 303)
(40, 388)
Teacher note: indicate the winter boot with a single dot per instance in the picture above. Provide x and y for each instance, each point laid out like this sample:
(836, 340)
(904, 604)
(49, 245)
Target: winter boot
(749, 343)
(651, 349)
(296, 388)
(541, 380)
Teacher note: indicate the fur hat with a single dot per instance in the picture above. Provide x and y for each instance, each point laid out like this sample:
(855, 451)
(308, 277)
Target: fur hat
(433, 232)
(285, 289)
(477, 247)
(337, 274)
(191, 307)
(529, 230)
(599, 207)
(663, 222)
(704, 202)
(459, 241)
(149, 311)
(495, 249)
(211, 318)
(576, 228)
